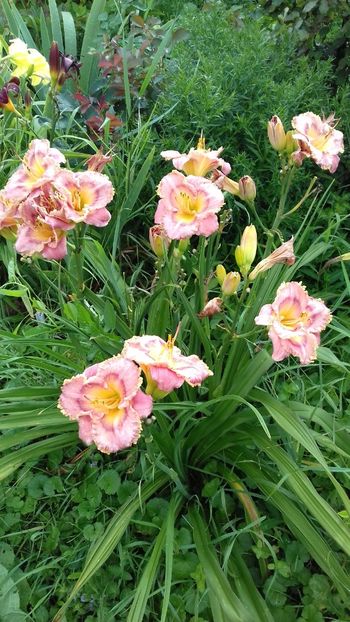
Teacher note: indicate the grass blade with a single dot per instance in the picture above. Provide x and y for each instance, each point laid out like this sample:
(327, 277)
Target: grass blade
(70, 35)
(89, 61)
(138, 607)
(217, 582)
(55, 24)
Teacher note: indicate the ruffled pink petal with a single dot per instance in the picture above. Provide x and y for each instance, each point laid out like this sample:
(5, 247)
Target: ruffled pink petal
(95, 188)
(177, 230)
(56, 249)
(208, 225)
(187, 205)
(191, 368)
(167, 380)
(280, 348)
(304, 347)
(317, 139)
(319, 315)
(123, 433)
(170, 154)
(265, 317)
(142, 404)
(85, 429)
(295, 321)
(291, 298)
(72, 401)
(41, 163)
(143, 350)
(98, 218)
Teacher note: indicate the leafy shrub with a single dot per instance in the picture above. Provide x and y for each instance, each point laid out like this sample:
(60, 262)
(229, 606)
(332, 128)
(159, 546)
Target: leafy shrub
(226, 80)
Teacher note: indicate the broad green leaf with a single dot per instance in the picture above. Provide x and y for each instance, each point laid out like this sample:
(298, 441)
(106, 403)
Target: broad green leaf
(16, 23)
(46, 38)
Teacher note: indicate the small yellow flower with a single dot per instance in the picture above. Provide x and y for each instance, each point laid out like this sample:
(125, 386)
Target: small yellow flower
(28, 62)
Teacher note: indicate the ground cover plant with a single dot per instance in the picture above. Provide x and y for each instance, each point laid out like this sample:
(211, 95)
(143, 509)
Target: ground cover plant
(174, 400)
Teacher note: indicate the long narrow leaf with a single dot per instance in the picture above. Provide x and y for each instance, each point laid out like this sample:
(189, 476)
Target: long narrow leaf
(218, 584)
(92, 30)
(302, 528)
(55, 24)
(17, 25)
(70, 35)
(138, 607)
(299, 431)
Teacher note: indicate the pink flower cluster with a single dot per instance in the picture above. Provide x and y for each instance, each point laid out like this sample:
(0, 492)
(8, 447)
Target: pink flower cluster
(106, 399)
(42, 201)
(295, 321)
(189, 203)
(317, 139)
(311, 137)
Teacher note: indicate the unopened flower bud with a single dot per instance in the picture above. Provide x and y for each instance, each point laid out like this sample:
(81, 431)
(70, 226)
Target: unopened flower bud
(276, 133)
(247, 188)
(282, 254)
(54, 63)
(291, 143)
(158, 240)
(220, 273)
(231, 283)
(246, 251)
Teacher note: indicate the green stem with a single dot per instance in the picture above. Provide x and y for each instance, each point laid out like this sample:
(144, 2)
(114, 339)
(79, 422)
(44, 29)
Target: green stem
(286, 182)
(50, 112)
(230, 360)
(78, 245)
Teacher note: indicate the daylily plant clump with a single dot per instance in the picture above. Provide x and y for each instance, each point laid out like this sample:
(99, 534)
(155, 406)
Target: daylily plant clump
(106, 398)
(42, 201)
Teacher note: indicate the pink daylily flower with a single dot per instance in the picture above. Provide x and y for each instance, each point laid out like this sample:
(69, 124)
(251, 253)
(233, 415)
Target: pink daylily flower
(42, 239)
(188, 206)
(317, 139)
(40, 164)
(198, 161)
(295, 321)
(8, 214)
(107, 403)
(48, 204)
(88, 194)
(163, 364)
